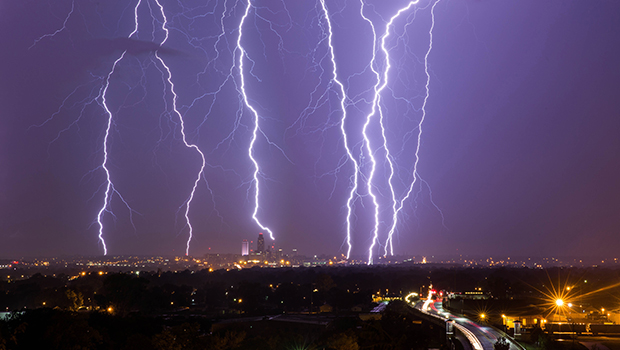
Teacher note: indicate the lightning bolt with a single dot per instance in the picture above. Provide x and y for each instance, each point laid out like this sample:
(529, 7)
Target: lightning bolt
(368, 153)
(343, 98)
(182, 123)
(64, 27)
(374, 106)
(109, 185)
(368, 149)
(256, 130)
(398, 207)
(102, 100)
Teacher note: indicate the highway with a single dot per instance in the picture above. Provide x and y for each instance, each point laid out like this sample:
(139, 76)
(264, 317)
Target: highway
(480, 337)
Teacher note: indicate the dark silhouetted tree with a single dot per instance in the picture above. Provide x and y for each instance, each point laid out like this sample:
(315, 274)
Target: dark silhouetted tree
(343, 341)
(501, 344)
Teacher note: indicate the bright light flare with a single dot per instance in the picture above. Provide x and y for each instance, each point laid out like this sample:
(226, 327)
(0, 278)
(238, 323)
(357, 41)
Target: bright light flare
(556, 298)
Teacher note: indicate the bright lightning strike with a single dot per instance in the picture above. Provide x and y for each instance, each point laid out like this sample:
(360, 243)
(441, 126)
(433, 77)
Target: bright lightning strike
(184, 136)
(381, 72)
(109, 184)
(367, 151)
(256, 130)
(378, 88)
(370, 149)
(101, 99)
(399, 207)
(343, 97)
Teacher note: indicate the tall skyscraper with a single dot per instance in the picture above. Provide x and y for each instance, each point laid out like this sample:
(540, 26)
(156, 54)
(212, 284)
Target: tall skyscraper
(260, 244)
(245, 247)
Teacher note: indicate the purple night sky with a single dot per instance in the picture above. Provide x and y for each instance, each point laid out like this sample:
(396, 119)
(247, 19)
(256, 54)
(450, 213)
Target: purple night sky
(520, 146)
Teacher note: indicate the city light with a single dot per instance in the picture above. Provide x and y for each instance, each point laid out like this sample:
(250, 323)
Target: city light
(555, 298)
(409, 296)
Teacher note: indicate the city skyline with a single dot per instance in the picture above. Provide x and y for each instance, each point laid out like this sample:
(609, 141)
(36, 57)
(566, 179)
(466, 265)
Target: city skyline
(518, 149)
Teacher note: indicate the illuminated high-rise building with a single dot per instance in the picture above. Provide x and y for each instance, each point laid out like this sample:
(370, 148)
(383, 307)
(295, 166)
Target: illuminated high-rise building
(245, 247)
(260, 244)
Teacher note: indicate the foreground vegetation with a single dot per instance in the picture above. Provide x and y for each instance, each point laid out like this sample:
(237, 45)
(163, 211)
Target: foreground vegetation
(59, 329)
(212, 310)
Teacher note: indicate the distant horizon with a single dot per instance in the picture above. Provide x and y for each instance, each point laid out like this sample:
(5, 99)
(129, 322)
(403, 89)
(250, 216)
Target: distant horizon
(404, 257)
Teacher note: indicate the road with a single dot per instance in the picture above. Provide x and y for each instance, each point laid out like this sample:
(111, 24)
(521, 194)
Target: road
(481, 337)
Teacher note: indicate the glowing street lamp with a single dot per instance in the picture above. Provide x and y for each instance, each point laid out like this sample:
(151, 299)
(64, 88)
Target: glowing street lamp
(559, 302)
